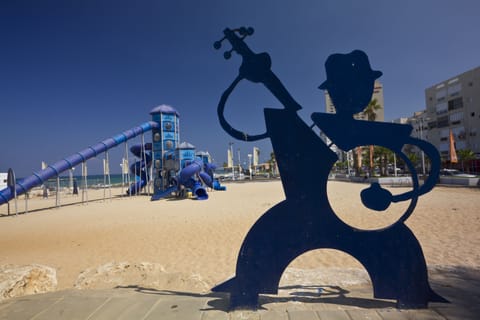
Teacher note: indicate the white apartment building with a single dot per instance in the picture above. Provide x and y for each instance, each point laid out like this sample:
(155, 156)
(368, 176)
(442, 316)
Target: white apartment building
(454, 104)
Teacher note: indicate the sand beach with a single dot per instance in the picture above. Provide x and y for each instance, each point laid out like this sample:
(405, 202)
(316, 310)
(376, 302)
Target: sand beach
(191, 245)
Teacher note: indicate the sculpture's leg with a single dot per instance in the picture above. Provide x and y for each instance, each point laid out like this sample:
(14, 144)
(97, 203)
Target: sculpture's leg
(279, 236)
(396, 265)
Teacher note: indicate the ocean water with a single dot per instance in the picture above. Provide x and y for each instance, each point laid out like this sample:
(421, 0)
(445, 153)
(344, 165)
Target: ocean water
(92, 180)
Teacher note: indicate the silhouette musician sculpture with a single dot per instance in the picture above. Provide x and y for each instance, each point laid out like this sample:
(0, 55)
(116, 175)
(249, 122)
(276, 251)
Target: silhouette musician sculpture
(305, 221)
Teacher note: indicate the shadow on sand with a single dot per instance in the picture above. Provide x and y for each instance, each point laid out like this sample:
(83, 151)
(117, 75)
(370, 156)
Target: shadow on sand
(460, 285)
(302, 294)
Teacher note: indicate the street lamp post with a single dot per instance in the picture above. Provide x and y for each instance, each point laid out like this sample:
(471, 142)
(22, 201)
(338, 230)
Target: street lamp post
(250, 165)
(239, 163)
(231, 158)
(347, 156)
(423, 153)
(421, 121)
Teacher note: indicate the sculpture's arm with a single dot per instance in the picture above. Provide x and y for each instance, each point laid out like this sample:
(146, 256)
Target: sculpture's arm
(255, 68)
(434, 156)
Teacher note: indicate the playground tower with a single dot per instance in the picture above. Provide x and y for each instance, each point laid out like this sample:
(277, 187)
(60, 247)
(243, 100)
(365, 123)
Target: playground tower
(185, 153)
(165, 140)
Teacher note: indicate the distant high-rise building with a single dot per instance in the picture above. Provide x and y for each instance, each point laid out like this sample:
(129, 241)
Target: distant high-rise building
(400, 120)
(377, 94)
(454, 105)
(330, 108)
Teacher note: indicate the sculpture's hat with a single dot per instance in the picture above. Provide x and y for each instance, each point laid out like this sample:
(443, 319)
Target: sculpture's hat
(353, 65)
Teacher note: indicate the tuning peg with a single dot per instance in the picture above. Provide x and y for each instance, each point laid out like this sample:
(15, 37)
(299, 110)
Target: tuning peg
(227, 54)
(242, 31)
(250, 31)
(217, 45)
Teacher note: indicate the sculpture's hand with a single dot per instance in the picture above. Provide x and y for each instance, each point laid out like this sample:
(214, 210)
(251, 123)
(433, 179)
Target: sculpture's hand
(256, 67)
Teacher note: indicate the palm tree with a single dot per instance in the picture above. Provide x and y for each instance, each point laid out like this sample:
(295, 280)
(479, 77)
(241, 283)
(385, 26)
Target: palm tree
(371, 114)
(383, 155)
(370, 110)
(273, 163)
(465, 155)
(413, 157)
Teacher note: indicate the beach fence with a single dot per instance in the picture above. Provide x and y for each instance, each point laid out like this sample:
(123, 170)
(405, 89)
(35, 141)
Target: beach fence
(51, 181)
(74, 189)
(399, 181)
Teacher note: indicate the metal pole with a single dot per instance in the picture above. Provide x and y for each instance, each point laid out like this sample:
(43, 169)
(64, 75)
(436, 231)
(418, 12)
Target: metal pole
(423, 153)
(16, 203)
(233, 164)
(420, 122)
(348, 161)
(57, 197)
(109, 184)
(84, 175)
(70, 177)
(239, 163)
(12, 184)
(73, 180)
(135, 175)
(152, 179)
(250, 165)
(145, 168)
(394, 164)
(127, 169)
(121, 166)
(104, 177)
(26, 202)
(109, 177)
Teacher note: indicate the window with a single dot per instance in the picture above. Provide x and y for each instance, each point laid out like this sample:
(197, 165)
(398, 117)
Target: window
(441, 108)
(432, 124)
(441, 94)
(443, 146)
(444, 133)
(460, 145)
(459, 133)
(454, 90)
(456, 118)
(442, 122)
(456, 103)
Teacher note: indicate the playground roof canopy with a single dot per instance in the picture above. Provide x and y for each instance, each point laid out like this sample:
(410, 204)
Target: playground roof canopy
(186, 145)
(163, 108)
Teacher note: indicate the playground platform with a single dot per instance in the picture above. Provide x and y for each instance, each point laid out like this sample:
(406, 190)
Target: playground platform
(297, 304)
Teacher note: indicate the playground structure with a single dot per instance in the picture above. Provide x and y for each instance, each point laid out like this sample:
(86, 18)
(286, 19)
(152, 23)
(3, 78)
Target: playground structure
(176, 168)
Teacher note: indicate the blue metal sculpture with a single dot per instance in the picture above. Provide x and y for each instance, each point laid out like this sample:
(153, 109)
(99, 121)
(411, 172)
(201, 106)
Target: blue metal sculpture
(305, 221)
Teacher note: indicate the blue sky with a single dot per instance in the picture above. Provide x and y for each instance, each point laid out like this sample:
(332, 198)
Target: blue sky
(73, 73)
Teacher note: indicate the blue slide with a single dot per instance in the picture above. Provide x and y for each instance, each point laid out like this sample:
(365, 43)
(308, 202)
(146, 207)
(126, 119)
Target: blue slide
(140, 168)
(186, 178)
(38, 178)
